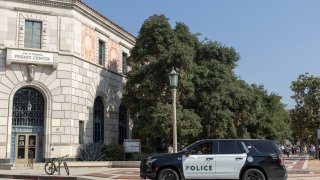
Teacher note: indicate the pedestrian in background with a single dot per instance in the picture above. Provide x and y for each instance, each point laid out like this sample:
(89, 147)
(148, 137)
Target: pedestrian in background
(313, 150)
(282, 149)
(170, 149)
(305, 150)
(298, 151)
(287, 149)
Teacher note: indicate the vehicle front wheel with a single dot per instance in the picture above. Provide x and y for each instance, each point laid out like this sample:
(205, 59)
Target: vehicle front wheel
(168, 174)
(253, 174)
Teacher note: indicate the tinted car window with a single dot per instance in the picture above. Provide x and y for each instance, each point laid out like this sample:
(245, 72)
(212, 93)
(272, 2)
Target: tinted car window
(203, 148)
(263, 146)
(229, 147)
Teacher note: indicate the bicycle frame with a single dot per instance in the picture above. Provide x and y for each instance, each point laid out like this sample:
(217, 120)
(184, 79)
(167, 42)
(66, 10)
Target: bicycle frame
(56, 164)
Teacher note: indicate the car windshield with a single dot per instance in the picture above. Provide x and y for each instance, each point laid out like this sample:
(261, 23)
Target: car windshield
(188, 147)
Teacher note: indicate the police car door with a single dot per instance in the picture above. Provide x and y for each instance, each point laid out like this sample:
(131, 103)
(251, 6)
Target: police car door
(229, 159)
(199, 162)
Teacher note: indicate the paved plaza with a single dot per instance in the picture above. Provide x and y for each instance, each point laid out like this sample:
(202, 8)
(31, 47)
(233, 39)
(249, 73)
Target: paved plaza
(299, 168)
(303, 168)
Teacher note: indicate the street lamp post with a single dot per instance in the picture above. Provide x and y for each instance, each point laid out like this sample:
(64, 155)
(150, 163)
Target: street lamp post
(173, 77)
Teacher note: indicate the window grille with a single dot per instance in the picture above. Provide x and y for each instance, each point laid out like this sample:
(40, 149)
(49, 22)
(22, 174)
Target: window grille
(123, 123)
(28, 108)
(102, 52)
(98, 120)
(124, 63)
(81, 132)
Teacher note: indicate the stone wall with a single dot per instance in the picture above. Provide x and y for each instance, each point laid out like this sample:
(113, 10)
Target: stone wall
(71, 82)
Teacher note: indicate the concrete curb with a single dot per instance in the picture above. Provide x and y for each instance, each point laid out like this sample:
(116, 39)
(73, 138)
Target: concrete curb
(77, 164)
(37, 177)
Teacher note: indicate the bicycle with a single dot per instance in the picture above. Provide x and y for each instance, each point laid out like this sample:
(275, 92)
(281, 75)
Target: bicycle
(53, 165)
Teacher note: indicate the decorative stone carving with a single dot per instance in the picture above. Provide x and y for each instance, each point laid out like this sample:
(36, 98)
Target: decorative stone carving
(31, 71)
(87, 43)
(113, 56)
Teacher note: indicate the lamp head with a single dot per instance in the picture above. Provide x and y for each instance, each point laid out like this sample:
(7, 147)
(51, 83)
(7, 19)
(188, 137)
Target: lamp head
(173, 77)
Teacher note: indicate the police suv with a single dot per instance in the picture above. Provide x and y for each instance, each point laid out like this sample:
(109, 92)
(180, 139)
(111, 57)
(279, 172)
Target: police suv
(245, 159)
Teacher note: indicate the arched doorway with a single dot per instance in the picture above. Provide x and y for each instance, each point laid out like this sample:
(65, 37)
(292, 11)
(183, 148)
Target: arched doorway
(27, 126)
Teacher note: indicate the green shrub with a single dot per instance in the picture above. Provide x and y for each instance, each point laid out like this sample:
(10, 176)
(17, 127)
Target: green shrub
(137, 156)
(92, 152)
(148, 149)
(113, 152)
(133, 157)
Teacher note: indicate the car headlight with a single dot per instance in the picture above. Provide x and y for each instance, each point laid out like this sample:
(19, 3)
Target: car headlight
(150, 161)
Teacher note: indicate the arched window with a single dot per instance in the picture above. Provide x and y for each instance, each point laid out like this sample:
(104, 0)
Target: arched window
(123, 123)
(98, 120)
(28, 108)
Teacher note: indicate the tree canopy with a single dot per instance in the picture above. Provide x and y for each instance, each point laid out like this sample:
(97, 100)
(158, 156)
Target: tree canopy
(306, 115)
(212, 102)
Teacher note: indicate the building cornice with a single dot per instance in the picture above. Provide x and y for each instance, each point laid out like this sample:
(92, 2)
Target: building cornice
(85, 10)
(53, 3)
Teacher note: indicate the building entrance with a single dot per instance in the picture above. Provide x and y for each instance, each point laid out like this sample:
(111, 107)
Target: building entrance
(26, 147)
(27, 126)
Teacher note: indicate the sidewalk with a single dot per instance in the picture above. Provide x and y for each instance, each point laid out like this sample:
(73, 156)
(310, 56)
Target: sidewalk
(75, 174)
(299, 168)
(314, 164)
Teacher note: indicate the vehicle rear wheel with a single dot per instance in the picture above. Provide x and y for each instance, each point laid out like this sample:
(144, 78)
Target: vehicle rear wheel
(168, 174)
(253, 174)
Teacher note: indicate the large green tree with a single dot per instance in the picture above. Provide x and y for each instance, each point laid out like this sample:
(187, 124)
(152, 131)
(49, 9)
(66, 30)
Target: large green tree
(212, 102)
(159, 48)
(306, 115)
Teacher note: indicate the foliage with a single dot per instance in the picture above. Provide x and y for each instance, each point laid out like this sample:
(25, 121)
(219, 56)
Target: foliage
(137, 156)
(113, 152)
(92, 152)
(212, 102)
(274, 122)
(306, 115)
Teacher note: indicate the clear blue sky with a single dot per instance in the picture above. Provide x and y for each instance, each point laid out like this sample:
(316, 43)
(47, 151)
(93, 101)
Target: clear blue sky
(277, 40)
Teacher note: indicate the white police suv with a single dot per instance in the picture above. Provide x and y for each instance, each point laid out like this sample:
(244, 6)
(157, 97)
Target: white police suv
(245, 159)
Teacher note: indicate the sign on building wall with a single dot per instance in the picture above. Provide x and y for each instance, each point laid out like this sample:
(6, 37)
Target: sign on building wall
(31, 57)
(131, 145)
(57, 130)
(21, 55)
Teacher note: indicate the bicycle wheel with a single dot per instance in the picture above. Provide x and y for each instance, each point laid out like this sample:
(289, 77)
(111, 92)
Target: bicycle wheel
(66, 167)
(49, 168)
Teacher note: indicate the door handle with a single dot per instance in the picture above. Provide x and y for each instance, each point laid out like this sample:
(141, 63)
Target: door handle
(209, 159)
(239, 158)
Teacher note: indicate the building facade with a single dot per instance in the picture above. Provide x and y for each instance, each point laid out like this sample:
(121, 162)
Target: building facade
(62, 67)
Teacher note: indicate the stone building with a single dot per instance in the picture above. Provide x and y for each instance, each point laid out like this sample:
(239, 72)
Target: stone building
(62, 67)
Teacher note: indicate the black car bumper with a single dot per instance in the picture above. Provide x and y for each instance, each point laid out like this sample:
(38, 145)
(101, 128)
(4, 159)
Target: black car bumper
(145, 171)
(147, 175)
(278, 174)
